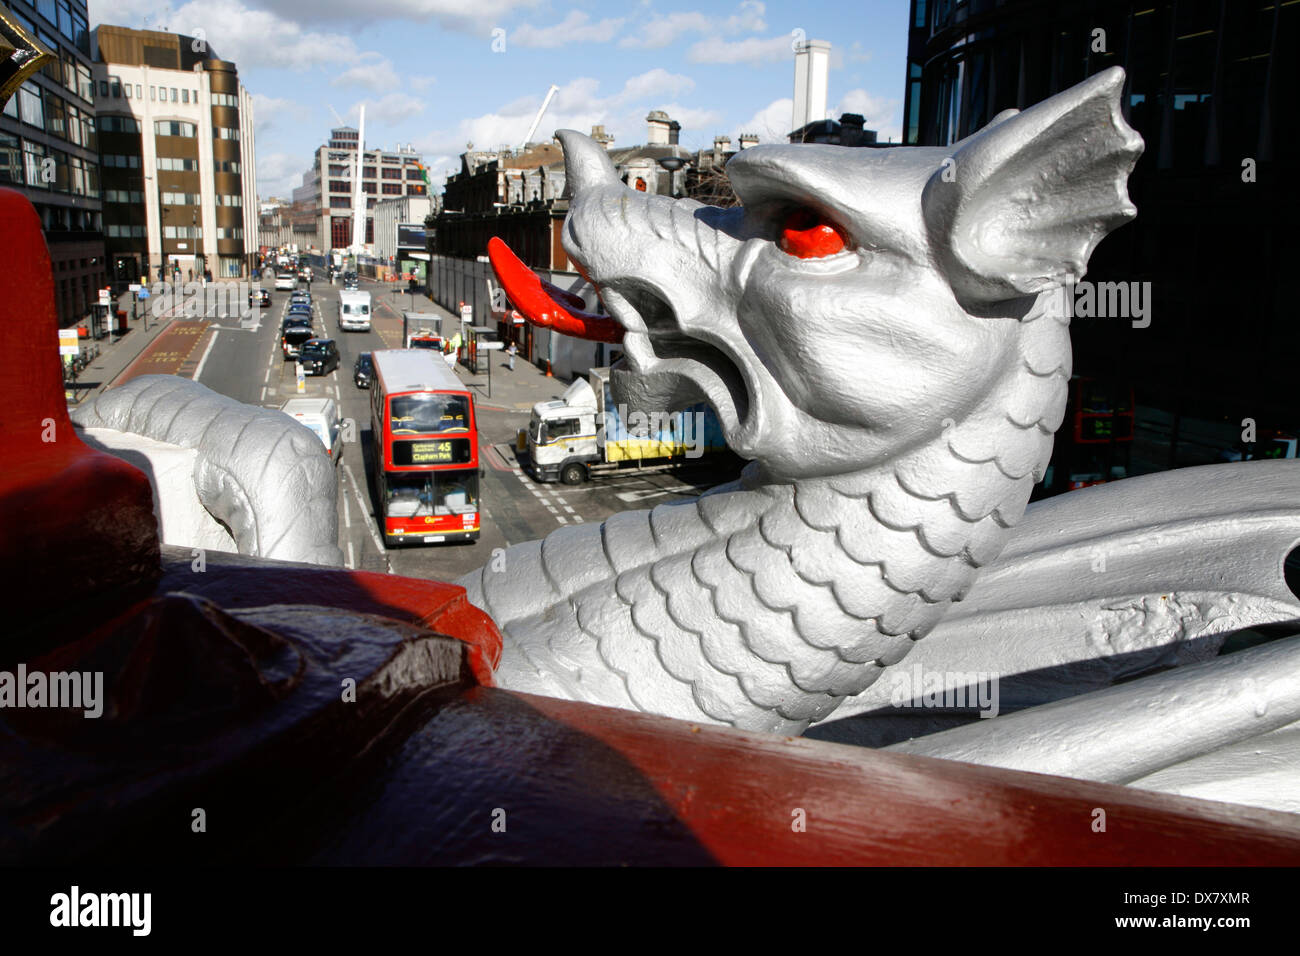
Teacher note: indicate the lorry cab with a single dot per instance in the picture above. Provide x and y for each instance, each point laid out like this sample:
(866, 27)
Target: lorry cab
(321, 415)
(562, 436)
(354, 311)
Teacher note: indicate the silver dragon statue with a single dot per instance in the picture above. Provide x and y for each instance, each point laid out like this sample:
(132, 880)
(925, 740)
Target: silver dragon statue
(883, 334)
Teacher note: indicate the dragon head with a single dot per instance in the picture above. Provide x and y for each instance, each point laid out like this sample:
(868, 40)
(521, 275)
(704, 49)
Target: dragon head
(859, 298)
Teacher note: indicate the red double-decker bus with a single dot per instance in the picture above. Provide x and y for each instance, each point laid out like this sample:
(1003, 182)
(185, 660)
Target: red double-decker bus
(426, 467)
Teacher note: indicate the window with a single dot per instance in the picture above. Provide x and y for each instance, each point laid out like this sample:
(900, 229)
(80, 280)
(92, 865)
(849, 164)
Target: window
(127, 90)
(74, 124)
(85, 83)
(103, 88)
(340, 186)
(180, 199)
(88, 137)
(34, 156)
(229, 201)
(48, 9)
(225, 99)
(115, 87)
(118, 161)
(232, 233)
(10, 159)
(29, 104)
(125, 196)
(226, 166)
(388, 173)
(153, 93)
(392, 189)
(174, 92)
(368, 188)
(56, 116)
(225, 132)
(338, 170)
(177, 165)
(183, 232)
(65, 19)
(340, 202)
(173, 128)
(368, 172)
(139, 95)
(119, 124)
(185, 96)
(62, 179)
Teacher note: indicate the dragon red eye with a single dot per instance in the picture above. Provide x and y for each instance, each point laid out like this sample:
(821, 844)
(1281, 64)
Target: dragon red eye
(806, 235)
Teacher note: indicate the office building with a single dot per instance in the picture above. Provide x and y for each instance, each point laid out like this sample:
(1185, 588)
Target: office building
(48, 151)
(176, 148)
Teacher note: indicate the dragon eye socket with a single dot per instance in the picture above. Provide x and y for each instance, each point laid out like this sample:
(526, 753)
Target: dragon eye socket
(807, 235)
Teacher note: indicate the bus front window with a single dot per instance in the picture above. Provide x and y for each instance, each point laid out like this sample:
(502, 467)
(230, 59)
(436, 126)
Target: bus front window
(456, 493)
(409, 497)
(429, 414)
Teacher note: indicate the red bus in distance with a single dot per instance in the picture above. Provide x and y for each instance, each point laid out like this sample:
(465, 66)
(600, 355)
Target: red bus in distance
(425, 462)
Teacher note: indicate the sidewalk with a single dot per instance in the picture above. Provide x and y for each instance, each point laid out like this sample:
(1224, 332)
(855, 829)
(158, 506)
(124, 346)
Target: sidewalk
(116, 352)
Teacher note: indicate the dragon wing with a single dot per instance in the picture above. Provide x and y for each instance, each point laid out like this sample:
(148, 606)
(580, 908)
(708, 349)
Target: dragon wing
(1105, 583)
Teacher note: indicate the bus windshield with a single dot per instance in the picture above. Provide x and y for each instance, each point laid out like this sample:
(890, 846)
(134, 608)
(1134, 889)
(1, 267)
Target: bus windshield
(429, 414)
(431, 493)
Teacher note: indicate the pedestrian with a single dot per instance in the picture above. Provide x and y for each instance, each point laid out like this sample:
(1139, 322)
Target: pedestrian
(511, 352)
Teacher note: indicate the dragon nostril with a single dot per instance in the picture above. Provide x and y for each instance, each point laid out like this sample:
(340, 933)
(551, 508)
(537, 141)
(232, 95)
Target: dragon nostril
(806, 235)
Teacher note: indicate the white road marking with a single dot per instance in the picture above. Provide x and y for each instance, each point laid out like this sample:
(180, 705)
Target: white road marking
(347, 513)
(374, 535)
(267, 377)
(569, 509)
(352, 560)
(561, 519)
(206, 352)
(263, 398)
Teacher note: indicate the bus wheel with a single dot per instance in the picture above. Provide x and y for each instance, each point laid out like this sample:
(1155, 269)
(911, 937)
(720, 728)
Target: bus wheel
(573, 474)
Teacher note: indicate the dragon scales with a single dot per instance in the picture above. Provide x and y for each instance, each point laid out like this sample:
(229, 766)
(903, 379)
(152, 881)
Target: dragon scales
(883, 335)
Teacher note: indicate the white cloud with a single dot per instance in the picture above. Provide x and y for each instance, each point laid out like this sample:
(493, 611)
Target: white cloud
(575, 28)
(771, 124)
(390, 110)
(752, 50)
(579, 105)
(278, 174)
(269, 112)
(664, 30)
(373, 72)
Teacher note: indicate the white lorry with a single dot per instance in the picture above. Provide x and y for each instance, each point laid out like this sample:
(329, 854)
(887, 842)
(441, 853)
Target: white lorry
(354, 311)
(583, 434)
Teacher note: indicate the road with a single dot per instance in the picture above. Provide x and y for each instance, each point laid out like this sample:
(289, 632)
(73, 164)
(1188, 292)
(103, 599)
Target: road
(243, 360)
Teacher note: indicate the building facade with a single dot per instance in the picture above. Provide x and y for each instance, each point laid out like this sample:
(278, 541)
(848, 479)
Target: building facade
(388, 214)
(322, 205)
(1211, 88)
(176, 147)
(48, 151)
(275, 225)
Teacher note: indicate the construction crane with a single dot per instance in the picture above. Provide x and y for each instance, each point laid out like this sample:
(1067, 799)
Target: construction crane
(550, 94)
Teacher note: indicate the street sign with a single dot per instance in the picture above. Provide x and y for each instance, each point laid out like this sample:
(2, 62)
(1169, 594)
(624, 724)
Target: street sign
(134, 287)
(491, 346)
(69, 342)
(105, 296)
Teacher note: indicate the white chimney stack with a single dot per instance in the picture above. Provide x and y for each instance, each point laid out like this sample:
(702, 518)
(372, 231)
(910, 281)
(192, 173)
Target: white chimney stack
(812, 61)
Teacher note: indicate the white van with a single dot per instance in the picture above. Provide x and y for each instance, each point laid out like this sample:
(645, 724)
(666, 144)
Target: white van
(321, 415)
(285, 281)
(354, 311)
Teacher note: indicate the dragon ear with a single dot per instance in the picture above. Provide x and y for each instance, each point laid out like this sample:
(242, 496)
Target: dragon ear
(1018, 207)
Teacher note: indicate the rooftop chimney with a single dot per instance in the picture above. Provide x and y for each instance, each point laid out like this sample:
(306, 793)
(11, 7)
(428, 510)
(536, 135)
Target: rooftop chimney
(747, 140)
(657, 128)
(812, 60)
(599, 135)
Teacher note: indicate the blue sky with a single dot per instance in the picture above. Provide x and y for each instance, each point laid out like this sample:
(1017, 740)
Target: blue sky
(442, 73)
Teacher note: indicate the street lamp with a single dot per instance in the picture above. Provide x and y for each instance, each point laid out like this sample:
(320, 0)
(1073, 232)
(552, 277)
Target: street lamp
(673, 163)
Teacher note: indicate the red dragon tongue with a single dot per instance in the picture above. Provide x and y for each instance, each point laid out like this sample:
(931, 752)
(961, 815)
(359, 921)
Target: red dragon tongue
(540, 302)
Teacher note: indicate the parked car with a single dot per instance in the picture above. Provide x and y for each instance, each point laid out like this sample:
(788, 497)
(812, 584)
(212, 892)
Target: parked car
(295, 322)
(293, 338)
(319, 356)
(298, 308)
(363, 371)
(260, 297)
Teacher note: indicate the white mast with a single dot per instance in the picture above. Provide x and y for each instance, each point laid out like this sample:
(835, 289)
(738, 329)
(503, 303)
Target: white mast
(550, 94)
(358, 194)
